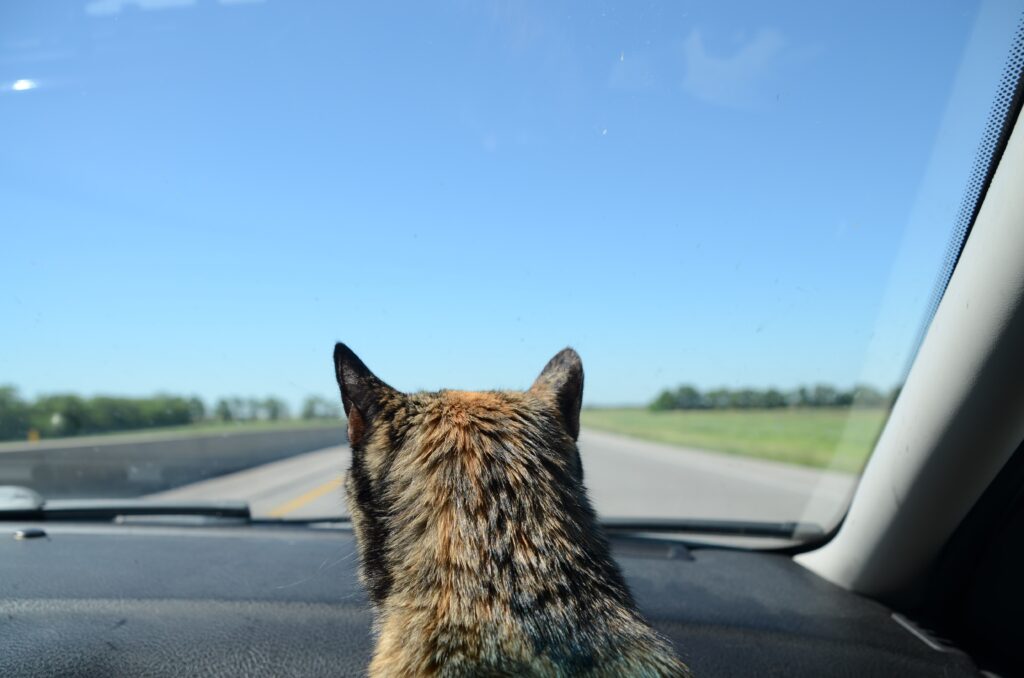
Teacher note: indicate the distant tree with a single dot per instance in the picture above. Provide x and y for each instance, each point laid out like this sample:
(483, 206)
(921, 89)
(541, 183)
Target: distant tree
(719, 398)
(196, 410)
(823, 395)
(67, 414)
(239, 411)
(665, 401)
(843, 399)
(803, 397)
(275, 408)
(253, 408)
(236, 408)
(106, 413)
(317, 407)
(863, 395)
(14, 414)
(59, 415)
(774, 398)
(688, 398)
(222, 411)
(741, 399)
(166, 410)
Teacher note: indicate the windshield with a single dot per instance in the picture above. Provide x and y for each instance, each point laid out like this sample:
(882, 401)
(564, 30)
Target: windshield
(735, 212)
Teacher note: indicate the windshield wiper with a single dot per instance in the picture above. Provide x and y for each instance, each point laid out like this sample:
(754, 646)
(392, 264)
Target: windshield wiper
(22, 503)
(732, 528)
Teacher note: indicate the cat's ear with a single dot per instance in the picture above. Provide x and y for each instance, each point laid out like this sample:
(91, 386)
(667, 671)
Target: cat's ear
(362, 393)
(563, 378)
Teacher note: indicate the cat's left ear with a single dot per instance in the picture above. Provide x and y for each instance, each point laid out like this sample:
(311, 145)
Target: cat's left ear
(563, 378)
(362, 394)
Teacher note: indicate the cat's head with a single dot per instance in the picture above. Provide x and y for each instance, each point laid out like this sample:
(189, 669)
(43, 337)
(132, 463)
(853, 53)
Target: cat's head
(438, 478)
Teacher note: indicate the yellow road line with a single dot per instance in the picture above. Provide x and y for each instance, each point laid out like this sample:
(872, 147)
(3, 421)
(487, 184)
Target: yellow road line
(303, 499)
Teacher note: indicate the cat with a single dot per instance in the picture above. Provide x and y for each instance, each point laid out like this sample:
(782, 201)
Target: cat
(478, 546)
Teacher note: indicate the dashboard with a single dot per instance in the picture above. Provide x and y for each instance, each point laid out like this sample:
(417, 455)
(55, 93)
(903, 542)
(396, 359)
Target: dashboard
(224, 599)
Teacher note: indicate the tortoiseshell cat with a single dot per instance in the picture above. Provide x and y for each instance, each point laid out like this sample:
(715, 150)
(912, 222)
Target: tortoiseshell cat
(478, 545)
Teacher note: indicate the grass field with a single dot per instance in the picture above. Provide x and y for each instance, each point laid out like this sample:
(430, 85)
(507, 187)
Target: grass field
(208, 428)
(835, 438)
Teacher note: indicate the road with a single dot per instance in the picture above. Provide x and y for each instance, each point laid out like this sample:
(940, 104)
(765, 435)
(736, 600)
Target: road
(626, 478)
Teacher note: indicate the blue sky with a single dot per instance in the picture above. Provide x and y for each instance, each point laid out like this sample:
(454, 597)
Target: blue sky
(201, 197)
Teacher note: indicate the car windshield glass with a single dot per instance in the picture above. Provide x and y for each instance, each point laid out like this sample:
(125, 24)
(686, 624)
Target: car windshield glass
(736, 212)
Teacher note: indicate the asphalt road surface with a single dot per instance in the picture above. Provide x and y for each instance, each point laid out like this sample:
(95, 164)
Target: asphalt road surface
(626, 478)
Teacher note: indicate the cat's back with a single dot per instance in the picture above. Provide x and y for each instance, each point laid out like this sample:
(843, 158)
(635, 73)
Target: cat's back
(507, 571)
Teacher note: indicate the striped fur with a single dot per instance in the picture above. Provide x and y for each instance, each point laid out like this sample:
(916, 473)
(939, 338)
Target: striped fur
(479, 548)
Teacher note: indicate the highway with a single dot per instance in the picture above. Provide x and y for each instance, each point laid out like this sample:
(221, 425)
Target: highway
(625, 477)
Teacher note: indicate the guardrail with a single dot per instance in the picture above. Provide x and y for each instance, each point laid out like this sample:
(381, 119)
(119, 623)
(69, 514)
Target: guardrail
(131, 465)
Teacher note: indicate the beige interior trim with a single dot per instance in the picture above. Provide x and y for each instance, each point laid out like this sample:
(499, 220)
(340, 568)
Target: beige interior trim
(961, 412)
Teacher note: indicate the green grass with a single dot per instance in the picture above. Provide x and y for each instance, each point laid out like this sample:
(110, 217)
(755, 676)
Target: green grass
(838, 438)
(208, 428)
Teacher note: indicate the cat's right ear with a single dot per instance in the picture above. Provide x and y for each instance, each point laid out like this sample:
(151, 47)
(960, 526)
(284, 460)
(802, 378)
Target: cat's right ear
(362, 393)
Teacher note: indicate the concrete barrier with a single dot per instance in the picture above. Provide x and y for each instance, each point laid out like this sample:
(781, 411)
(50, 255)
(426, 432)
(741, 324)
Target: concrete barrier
(130, 465)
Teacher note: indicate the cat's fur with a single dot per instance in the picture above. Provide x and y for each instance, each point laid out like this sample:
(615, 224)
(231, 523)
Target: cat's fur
(479, 548)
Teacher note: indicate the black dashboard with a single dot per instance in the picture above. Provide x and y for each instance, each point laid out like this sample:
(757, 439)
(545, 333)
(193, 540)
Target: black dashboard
(284, 600)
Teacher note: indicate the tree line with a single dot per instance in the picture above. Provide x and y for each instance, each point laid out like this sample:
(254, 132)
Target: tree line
(689, 397)
(51, 416)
